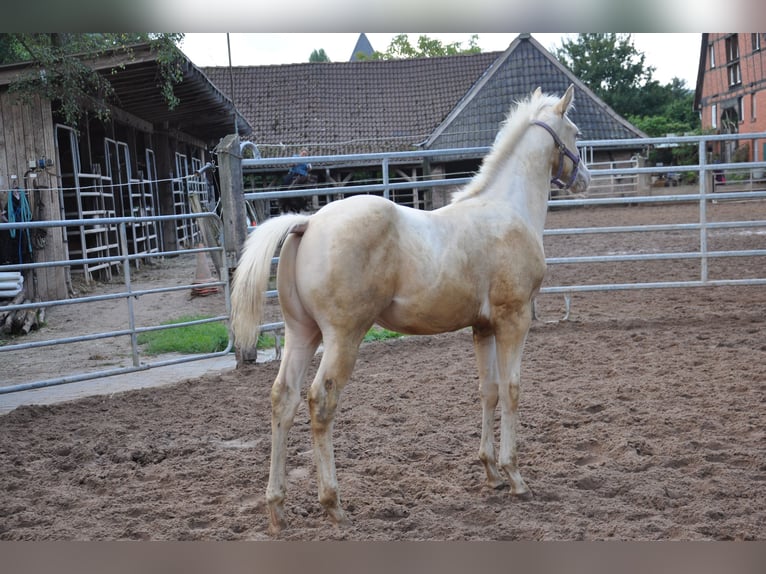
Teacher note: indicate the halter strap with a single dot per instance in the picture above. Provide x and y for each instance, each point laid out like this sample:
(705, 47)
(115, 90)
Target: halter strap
(563, 151)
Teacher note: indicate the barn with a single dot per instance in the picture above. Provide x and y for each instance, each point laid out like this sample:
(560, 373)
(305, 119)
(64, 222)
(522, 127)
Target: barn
(137, 163)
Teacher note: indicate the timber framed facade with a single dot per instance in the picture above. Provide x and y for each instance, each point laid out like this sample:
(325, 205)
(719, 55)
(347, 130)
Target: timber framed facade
(731, 92)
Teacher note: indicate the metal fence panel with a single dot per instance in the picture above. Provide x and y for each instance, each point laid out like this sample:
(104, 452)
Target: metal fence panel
(129, 294)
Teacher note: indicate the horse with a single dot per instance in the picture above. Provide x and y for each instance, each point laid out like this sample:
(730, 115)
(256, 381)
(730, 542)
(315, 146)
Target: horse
(476, 262)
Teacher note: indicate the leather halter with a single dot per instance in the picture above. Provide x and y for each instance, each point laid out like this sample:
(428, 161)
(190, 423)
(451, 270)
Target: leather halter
(563, 151)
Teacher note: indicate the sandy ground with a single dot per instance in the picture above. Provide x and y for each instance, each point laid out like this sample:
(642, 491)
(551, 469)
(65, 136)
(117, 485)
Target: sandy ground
(642, 418)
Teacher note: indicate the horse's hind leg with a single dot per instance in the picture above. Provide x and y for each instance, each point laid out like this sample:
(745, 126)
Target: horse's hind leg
(301, 343)
(324, 395)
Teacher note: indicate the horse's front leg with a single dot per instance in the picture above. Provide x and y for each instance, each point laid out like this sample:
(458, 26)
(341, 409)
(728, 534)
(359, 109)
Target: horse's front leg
(510, 345)
(486, 357)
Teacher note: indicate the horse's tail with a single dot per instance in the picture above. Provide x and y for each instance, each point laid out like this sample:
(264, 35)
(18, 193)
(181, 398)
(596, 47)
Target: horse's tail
(252, 275)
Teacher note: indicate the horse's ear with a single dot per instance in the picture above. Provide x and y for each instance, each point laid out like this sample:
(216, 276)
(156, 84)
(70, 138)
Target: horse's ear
(566, 100)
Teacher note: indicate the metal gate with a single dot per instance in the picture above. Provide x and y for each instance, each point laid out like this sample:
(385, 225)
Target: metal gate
(122, 296)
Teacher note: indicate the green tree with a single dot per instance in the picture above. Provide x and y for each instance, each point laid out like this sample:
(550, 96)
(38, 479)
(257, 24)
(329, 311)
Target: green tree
(60, 67)
(400, 48)
(319, 56)
(611, 66)
(672, 112)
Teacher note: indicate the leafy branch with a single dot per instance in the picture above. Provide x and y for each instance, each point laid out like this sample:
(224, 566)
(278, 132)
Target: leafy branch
(61, 68)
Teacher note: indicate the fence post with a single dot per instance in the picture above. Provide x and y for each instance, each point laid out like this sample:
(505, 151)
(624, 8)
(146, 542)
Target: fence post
(233, 216)
(644, 186)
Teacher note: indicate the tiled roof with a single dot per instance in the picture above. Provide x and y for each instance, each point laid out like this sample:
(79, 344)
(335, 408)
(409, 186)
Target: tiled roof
(349, 107)
(395, 105)
(522, 68)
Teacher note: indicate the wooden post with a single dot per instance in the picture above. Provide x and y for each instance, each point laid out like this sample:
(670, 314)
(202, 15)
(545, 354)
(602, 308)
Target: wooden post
(164, 148)
(234, 215)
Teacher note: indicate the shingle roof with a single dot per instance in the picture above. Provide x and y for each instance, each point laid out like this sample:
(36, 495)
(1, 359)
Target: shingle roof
(516, 73)
(349, 107)
(395, 105)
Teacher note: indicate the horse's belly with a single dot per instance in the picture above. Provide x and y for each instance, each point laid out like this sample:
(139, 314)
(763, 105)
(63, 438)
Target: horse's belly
(426, 319)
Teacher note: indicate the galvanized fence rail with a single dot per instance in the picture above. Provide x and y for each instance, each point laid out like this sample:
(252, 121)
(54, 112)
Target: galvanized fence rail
(626, 191)
(702, 196)
(129, 295)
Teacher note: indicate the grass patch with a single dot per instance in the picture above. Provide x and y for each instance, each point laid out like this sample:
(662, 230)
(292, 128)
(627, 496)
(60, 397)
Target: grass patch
(213, 337)
(186, 339)
(380, 334)
(265, 341)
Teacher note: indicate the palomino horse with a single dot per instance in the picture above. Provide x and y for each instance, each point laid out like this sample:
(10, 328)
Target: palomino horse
(476, 262)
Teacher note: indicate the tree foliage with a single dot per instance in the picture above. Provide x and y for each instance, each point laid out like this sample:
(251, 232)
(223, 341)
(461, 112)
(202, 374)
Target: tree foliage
(319, 56)
(611, 66)
(60, 67)
(400, 48)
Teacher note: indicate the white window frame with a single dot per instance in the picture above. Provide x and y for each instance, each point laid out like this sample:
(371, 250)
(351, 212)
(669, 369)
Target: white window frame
(753, 106)
(734, 74)
(714, 116)
(732, 48)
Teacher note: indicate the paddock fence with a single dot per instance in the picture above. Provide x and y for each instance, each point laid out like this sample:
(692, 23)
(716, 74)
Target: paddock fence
(628, 183)
(706, 238)
(119, 300)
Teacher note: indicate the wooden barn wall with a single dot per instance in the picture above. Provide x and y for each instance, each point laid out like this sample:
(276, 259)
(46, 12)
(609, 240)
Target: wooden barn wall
(26, 134)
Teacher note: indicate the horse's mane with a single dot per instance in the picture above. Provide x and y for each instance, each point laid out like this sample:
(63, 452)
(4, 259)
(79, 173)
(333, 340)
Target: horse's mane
(514, 126)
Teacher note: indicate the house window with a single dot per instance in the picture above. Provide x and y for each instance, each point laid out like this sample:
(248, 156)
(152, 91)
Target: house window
(714, 116)
(756, 42)
(732, 48)
(732, 61)
(711, 52)
(734, 74)
(752, 107)
(741, 109)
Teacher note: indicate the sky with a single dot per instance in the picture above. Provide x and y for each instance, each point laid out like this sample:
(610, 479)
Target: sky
(671, 54)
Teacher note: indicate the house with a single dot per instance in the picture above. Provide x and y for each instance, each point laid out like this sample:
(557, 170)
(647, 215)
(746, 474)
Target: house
(403, 105)
(137, 163)
(731, 93)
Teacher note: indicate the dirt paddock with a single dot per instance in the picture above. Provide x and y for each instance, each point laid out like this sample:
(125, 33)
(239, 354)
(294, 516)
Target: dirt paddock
(641, 418)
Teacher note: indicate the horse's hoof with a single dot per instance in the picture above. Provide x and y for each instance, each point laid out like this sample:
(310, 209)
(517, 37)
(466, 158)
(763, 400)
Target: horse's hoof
(523, 496)
(501, 485)
(338, 517)
(277, 521)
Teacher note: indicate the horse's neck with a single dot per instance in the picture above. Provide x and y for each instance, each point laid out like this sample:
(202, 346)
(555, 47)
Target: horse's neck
(524, 180)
